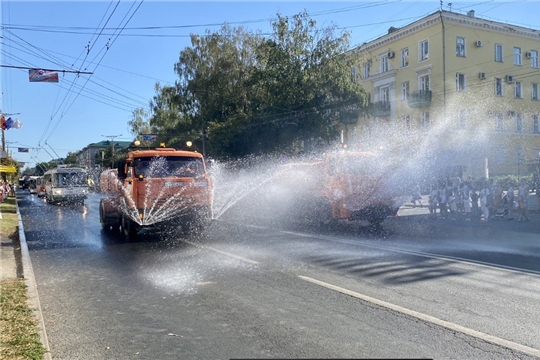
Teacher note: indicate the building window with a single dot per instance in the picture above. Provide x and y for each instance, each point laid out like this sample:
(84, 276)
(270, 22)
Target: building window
(534, 91)
(534, 59)
(423, 51)
(498, 87)
(498, 53)
(518, 87)
(384, 94)
(462, 118)
(385, 66)
(406, 121)
(404, 90)
(424, 121)
(367, 70)
(405, 57)
(423, 83)
(499, 122)
(536, 129)
(517, 56)
(500, 154)
(520, 156)
(519, 123)
(353, 74)
(460, 47)
(460, 82)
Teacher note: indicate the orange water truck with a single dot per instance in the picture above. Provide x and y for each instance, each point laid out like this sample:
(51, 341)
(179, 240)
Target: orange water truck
(342, 185)
(158, 187)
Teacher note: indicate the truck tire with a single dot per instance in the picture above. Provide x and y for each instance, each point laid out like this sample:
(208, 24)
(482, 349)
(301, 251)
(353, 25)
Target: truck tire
(106, 224)
(129, 228)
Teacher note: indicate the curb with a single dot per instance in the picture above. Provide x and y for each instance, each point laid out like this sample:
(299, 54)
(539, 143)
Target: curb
(33, 296)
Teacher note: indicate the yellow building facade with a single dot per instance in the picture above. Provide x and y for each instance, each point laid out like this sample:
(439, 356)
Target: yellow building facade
(459, 92)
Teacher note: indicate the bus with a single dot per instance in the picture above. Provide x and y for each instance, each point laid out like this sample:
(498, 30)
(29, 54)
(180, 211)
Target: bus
(32, 184)
(66, 185)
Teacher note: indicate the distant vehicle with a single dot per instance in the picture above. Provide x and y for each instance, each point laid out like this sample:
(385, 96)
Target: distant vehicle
(40, 182)
(32, 184)
(23, 182)
(66, 185)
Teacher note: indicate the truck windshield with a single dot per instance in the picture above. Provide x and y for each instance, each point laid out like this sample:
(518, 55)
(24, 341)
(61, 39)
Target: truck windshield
(360, 165)
(168, 166)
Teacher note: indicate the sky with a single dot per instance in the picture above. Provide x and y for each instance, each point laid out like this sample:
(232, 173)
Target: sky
(126, 47)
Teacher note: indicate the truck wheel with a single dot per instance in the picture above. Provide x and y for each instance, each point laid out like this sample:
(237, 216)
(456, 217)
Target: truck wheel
(106, 225)
(129, 228)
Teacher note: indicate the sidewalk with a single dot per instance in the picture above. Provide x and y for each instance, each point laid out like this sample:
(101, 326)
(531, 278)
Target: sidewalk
(409, 209)
(8, 265)
(15, 264)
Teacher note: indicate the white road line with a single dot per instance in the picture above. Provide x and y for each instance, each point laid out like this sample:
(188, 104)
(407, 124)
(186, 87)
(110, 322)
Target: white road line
(221, 252)
(408, 252)
(419, 253)
(428, 318)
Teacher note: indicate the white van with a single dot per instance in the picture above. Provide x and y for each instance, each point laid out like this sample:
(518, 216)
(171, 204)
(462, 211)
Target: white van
(66, 184)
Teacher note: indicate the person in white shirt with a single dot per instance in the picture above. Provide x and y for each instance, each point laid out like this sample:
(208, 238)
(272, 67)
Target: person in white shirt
(523, 197)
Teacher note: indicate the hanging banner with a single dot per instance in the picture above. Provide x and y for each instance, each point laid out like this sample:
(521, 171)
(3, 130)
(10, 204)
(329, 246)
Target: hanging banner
(21, 163)
(149, 137)
(23, 149)
(38, 75)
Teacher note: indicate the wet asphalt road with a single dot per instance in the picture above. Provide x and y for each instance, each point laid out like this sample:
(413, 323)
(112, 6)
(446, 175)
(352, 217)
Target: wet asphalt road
(255, 286)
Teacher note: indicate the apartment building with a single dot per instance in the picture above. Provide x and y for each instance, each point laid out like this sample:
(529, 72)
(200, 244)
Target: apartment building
(91, 155)
(455, 90)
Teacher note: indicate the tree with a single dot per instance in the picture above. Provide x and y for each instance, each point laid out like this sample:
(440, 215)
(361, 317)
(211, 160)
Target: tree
(304, 79)
(71, 158)
(252, 94)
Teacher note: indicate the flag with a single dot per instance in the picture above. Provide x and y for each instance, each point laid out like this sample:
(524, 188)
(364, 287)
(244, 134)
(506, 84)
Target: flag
(149, 137)
(38, 75)
(16, 124)
(23, 149)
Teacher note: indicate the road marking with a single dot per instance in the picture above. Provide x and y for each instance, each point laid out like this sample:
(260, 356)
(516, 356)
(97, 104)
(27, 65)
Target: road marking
(419, 253)
(241, 258)
(428, 318)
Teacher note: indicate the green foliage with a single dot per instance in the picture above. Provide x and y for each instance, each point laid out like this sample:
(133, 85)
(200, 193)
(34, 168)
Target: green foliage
(513, 180)
(252, 94)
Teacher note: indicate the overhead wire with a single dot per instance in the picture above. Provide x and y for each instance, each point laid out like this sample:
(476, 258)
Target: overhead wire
(69, 92)
(99, 62)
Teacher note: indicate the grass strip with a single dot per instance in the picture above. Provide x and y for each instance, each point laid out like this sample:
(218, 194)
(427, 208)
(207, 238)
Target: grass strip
(19, 337)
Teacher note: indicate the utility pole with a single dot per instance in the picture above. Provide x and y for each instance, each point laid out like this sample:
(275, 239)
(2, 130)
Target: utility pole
(112, 137)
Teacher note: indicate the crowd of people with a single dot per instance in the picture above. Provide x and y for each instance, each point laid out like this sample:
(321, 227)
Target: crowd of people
(6, 189)
(477, 199)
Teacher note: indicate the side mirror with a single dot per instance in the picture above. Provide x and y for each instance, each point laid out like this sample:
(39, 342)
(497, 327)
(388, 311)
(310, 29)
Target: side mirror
(122, 170)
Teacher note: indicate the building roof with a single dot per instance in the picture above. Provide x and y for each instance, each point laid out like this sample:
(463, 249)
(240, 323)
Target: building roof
(468, 20)
(107, 143)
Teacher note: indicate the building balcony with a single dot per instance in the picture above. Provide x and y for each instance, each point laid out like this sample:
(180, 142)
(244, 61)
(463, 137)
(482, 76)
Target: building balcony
(419, 99)
(379, 109)
(348, 116)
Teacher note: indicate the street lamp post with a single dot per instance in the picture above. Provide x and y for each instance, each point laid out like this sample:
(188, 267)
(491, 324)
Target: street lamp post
(112, 137)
